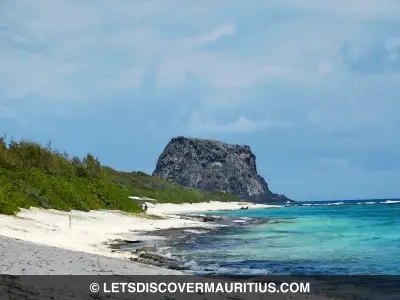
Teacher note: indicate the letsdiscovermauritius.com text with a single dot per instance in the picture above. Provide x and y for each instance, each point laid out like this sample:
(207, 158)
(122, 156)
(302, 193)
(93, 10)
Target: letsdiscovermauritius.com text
(201, 287)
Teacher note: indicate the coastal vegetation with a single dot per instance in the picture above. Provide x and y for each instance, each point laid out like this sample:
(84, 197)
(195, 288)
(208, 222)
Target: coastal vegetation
(32, 175)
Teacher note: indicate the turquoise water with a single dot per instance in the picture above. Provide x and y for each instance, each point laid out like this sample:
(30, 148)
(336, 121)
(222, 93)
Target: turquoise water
(361, 237)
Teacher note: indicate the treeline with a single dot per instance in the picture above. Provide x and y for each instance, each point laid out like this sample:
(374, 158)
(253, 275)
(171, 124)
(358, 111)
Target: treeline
(27, 154)
(40, 176)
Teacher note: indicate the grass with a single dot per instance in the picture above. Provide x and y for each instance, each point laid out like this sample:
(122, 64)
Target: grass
(32, 175)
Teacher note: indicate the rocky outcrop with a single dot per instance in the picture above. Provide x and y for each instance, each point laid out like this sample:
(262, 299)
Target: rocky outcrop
(215, 166)
(158, 260)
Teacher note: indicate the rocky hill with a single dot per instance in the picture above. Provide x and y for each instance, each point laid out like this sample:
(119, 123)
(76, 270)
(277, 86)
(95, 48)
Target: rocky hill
(215, 166)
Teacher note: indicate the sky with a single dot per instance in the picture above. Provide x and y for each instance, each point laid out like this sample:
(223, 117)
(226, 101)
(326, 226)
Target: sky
(313, 87)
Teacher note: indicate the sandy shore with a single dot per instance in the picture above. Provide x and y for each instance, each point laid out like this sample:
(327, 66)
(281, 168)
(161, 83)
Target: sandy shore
(202, 207)
(76, 241)
(49, 242)
(24, 258)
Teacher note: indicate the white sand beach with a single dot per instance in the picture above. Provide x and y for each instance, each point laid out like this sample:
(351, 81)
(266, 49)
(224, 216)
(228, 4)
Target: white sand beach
(91, 232)
(42, 242)
(24, 258)
(167, 208)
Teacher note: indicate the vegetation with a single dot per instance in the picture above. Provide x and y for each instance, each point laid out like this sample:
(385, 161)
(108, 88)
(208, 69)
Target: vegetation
(38, 176)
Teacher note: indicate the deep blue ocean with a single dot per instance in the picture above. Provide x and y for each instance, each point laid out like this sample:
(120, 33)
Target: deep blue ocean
(324, 237)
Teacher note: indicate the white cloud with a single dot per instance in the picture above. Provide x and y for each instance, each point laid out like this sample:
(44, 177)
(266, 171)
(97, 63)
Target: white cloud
(240, 125)
(80, 50)
(219, 69)
(61, 44)
(23, 73)
(222, 71)
(227, 29)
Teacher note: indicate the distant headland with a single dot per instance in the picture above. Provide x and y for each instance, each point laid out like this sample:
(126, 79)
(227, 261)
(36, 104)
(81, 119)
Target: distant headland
(215, 166)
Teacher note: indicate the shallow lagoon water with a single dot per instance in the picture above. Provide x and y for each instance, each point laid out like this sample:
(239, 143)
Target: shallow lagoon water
(340, 238)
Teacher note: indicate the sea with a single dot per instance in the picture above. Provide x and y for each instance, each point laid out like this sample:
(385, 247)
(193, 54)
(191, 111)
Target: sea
(305, 238)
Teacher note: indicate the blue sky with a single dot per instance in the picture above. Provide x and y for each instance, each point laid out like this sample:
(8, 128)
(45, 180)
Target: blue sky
(312, 86)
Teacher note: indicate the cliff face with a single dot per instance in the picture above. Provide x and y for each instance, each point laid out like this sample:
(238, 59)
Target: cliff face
(214, 166)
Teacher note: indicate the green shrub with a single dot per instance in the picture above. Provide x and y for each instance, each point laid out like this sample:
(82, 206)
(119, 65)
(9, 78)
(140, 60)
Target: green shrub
(33, 175)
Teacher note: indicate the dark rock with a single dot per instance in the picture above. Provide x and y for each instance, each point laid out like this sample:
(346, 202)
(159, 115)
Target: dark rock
(215, 166)
(132, 242)
(158, 260)
(146, 261)
(146, 249)
(117, 244)
(202, 218)
(173, 266)
(210, 219)
(155, 257)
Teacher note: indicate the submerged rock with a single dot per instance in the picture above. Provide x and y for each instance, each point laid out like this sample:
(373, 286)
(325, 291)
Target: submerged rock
(158, 260)
(146, 249)
(215, 166)
(155, 257)
(202, 218)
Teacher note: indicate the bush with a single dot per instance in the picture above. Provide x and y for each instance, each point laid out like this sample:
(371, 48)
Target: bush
(33, 175)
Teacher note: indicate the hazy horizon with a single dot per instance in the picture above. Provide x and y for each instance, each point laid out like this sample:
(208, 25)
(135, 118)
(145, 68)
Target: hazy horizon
(375, 199)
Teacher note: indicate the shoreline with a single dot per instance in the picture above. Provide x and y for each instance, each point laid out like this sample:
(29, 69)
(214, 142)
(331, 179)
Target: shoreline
(20, 256)
(94, 234)
(165, 249)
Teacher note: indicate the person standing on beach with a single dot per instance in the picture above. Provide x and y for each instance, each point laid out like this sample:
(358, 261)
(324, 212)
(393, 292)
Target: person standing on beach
(145, 207)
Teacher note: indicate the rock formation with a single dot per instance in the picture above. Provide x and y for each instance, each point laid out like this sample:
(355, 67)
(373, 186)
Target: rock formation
(215, 166)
